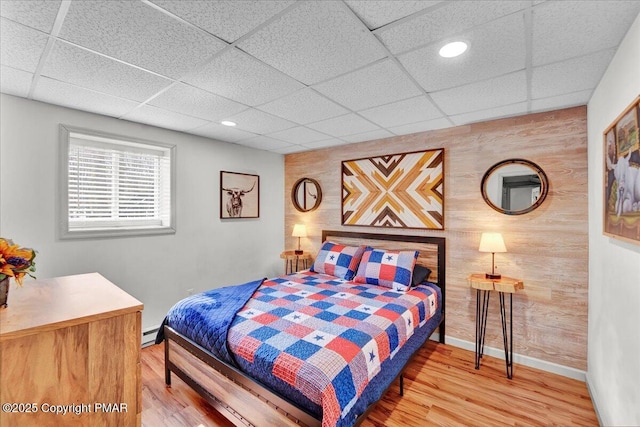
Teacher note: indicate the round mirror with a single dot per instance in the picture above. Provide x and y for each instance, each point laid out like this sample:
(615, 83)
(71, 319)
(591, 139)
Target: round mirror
(306, 194)
(514, 186)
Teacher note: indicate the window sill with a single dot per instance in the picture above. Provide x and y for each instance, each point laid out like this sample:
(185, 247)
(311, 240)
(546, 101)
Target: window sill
(115, 232)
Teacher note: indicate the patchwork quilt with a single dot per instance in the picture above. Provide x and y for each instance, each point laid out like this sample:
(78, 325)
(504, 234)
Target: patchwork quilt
(321, 340)
(330, 345)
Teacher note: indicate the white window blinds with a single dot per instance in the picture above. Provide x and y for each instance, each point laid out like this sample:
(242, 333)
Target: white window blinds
(117, 184)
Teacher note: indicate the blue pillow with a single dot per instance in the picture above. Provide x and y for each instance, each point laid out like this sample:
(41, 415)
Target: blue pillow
(420, 274)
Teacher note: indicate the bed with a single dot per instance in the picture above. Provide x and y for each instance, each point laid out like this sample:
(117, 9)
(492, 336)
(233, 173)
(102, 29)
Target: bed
(263, 382)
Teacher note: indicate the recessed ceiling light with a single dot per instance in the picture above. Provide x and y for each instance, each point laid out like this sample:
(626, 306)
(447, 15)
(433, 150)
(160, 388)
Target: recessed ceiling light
(227, 123)
(453, 49)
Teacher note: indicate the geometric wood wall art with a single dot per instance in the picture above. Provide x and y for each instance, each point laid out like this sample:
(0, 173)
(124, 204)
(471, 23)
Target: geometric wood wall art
(622, 176)
(404, 190)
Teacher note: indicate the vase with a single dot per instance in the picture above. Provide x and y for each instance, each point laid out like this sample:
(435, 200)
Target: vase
(4, 292)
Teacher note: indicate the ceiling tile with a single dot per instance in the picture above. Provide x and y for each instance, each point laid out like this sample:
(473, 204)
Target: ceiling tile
(290, 149)
(368, 136)
(15, 82)
(138, 34)
(298, 135)
(228, 20)
(564, 77)
(314, 41)
(59, 93)
(257, 121)
(403, 112)
(567, 29)
(562, 101)
(374, 85)
(221, 132)
(33, 13)
(333, 142)
(163, 118)
(490, 114)
(86, 69)
(348, 124)
(491, 53)
(496, 92)
(262, 142)
(238, 76)
(196, 102)
(421, 126)
(376, 13)
(304, 106)
(21, 46)
(454, 17)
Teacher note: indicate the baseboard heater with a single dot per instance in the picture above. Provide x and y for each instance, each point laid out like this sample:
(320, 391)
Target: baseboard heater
(149, 336)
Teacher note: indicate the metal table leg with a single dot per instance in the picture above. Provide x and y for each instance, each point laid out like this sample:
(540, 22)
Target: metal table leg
(508, 340)
(482, 308)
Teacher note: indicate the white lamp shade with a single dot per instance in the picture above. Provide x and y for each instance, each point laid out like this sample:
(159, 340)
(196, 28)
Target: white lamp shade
(492, 242)
(299, 230)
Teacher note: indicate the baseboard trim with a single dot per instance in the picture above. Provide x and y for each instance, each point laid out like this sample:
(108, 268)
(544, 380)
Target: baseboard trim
(594, 400)
(519, 359)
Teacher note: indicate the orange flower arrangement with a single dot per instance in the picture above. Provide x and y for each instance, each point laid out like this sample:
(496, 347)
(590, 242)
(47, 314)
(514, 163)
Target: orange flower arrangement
(15, 261)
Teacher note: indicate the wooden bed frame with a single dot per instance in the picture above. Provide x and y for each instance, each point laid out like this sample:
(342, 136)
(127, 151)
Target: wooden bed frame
(245, 401)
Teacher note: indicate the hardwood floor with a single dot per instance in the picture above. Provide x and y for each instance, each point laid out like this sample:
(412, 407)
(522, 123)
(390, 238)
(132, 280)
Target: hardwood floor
(441, 388)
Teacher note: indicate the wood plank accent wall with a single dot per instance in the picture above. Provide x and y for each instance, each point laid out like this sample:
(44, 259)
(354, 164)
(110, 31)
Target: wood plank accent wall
(547, 248)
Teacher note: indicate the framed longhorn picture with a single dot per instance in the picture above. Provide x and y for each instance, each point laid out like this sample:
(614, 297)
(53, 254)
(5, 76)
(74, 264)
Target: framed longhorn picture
(239, 195)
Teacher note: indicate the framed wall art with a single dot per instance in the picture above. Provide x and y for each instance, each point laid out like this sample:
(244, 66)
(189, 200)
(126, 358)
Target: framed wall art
(404, 190)
(622, 176)
(239, 195)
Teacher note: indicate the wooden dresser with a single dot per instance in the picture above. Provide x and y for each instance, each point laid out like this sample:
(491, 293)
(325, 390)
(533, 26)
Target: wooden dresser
(70, 354)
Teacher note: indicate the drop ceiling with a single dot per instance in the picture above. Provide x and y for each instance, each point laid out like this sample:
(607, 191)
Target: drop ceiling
(302, 75)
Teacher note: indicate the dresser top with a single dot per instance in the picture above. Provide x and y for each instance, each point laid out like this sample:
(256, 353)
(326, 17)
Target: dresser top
(49, 304)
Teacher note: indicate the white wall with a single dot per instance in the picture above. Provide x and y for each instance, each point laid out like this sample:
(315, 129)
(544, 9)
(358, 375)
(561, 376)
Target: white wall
(205, 252)
(614, 266)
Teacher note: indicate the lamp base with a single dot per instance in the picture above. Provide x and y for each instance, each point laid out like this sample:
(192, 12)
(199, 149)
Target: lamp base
(493, 275)
(298, 252)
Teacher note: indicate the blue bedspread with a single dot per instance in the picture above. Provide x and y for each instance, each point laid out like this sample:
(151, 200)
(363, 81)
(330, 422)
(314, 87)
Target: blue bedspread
(205, 318)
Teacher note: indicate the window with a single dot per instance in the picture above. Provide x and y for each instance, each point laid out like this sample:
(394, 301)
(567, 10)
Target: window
(115, 186)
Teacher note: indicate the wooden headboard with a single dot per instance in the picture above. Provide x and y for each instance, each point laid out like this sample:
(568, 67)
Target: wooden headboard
(433, 253)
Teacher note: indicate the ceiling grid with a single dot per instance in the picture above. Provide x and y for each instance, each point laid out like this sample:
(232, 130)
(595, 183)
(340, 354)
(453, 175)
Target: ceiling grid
(297, 75)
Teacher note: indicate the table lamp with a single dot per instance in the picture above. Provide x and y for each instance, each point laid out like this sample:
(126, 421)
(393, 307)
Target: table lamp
(299, 230)
(492, 242)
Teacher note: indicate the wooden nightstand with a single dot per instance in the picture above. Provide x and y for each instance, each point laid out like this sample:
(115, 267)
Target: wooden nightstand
(300, 261)
(484, 287)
